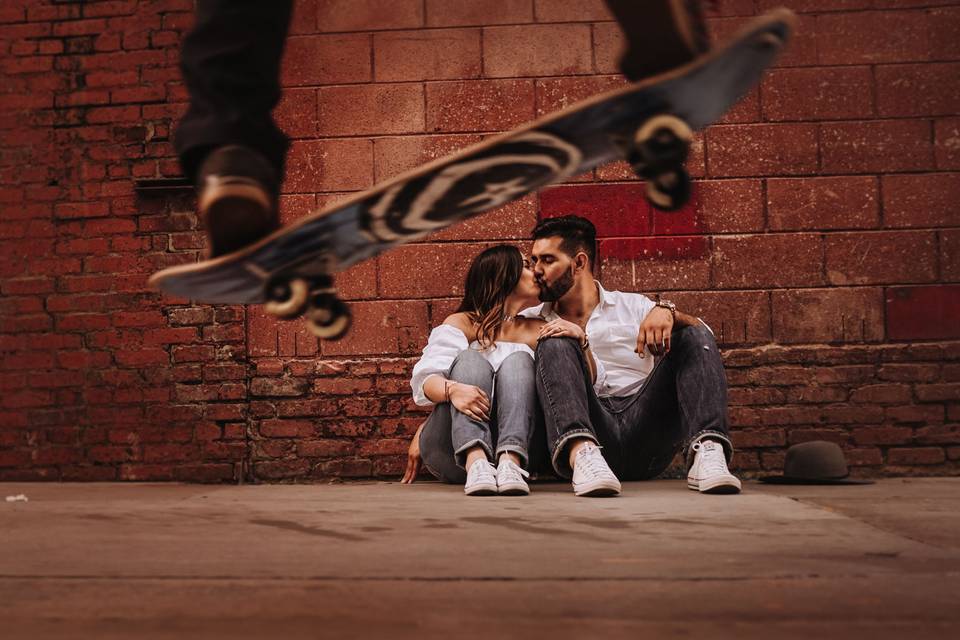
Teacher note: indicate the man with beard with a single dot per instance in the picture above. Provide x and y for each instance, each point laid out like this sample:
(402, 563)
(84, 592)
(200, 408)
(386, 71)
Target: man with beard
(665, 388)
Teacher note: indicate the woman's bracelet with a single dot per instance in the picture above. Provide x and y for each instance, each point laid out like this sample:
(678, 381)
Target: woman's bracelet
(446, 390)
(585, 344)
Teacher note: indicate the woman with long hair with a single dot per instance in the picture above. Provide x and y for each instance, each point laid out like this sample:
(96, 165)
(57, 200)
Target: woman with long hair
(477, 370)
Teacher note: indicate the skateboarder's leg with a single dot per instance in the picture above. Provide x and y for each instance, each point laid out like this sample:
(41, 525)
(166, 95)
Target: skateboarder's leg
(661, 34)
(227, 141)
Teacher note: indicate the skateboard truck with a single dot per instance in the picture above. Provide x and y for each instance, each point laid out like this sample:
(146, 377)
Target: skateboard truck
(327, 316)
(657, 154)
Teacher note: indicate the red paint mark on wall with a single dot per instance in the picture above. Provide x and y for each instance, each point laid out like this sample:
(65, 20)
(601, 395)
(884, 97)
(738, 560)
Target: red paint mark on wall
(628, 227)
(923, 312)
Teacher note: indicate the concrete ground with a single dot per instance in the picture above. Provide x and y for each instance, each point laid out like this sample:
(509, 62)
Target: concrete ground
(383, 560)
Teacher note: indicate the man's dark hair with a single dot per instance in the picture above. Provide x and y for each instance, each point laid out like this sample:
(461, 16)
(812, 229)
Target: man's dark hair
(578, 234)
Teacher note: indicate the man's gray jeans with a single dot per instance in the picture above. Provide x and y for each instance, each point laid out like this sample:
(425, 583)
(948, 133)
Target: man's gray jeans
(682, 401)
(514, 415)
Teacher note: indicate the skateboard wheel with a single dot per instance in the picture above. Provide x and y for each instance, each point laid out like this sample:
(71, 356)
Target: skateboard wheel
(662, 141)
(287, 299)
(328, 317)
(669, 191)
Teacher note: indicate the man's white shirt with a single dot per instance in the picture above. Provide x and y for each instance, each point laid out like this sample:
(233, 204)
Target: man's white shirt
(612, 329)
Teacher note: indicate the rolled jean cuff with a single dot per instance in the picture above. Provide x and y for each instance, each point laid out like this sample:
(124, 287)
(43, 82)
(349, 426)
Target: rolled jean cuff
(517, 449)
(565, 471)
(719, 436)
(460, 455)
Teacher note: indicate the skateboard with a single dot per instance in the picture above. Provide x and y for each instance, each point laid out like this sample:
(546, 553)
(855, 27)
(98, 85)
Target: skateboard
(649, 123)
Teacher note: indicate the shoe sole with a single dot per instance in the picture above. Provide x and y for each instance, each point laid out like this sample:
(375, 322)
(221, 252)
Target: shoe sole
(482, 490)
(721, 487)
(603, 491)
(514, 490)
(235, 214)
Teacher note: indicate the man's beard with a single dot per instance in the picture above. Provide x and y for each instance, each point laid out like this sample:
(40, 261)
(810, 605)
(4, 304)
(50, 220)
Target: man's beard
(555, 291)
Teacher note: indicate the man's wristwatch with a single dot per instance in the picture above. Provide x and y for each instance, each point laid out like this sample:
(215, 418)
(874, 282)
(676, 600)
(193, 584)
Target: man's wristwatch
(669, 306)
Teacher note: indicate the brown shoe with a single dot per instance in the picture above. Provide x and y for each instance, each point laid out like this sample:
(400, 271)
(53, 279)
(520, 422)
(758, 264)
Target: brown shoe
(237, 198)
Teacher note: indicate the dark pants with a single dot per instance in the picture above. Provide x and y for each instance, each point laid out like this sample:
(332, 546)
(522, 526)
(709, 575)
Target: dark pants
(683, 400)
(231, 64)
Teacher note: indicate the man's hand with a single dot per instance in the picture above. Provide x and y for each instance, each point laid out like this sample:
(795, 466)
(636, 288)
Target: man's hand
(413, 458)
(655, 332)
(470, 400)
(562, 328)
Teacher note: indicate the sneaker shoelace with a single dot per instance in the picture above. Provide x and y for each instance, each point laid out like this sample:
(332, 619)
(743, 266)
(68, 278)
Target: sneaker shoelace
(511, 471)
(482, 469)
(712, 460)
(590, 462)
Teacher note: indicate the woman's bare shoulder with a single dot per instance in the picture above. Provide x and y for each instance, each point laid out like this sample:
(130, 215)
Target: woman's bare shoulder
(461, 321)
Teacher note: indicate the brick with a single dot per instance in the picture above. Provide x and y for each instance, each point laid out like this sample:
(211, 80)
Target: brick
(615, 209)
(283, 387)
(286, 429)
(816, 6)
(823, 203)
(512, 221)
(447, 262)
(950, 256)
(927, 89)
(837, 93)
(571, 11)
(876, 147)
(326, 448)
(947, 143)
(556, 94)
(655, 264)
(369, 15)
(370, 109)
(828, 315)
(908, 372)
(729, 206)
(881, 258)
(329, 165)
(923, 313)
(939, 434)
(735, 317)
(382, 328)
(326, 59)
(938, 392)
(479, 105)
(917, 455)
(454, 13)
(943, 25)
(608, 45)
(851, 38)
(756, 261)
(429, 54)
(537, 50)
(395, 155)
(761, 150)
(916, 413)
(296, 114)
(926, 200)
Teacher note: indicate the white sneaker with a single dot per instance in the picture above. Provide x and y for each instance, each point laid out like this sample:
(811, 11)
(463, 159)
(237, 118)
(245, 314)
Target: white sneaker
(592, 476)
(709, 473)
(481, 479)
(510, 478)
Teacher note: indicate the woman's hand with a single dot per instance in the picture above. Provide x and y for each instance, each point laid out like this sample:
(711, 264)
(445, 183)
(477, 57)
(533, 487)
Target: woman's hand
(470, 400)
(413, 458)
(562, 328)
(655, 332)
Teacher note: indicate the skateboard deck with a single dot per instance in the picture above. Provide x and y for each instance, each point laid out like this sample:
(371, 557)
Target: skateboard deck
(585, 135)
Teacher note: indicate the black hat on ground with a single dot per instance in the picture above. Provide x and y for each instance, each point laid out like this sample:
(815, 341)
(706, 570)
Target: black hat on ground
(815, 462)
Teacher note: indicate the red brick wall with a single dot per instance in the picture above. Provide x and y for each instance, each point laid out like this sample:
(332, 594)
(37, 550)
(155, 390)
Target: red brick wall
(823, 245)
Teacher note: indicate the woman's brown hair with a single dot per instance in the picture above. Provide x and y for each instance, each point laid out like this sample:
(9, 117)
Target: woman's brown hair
(492, 276)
